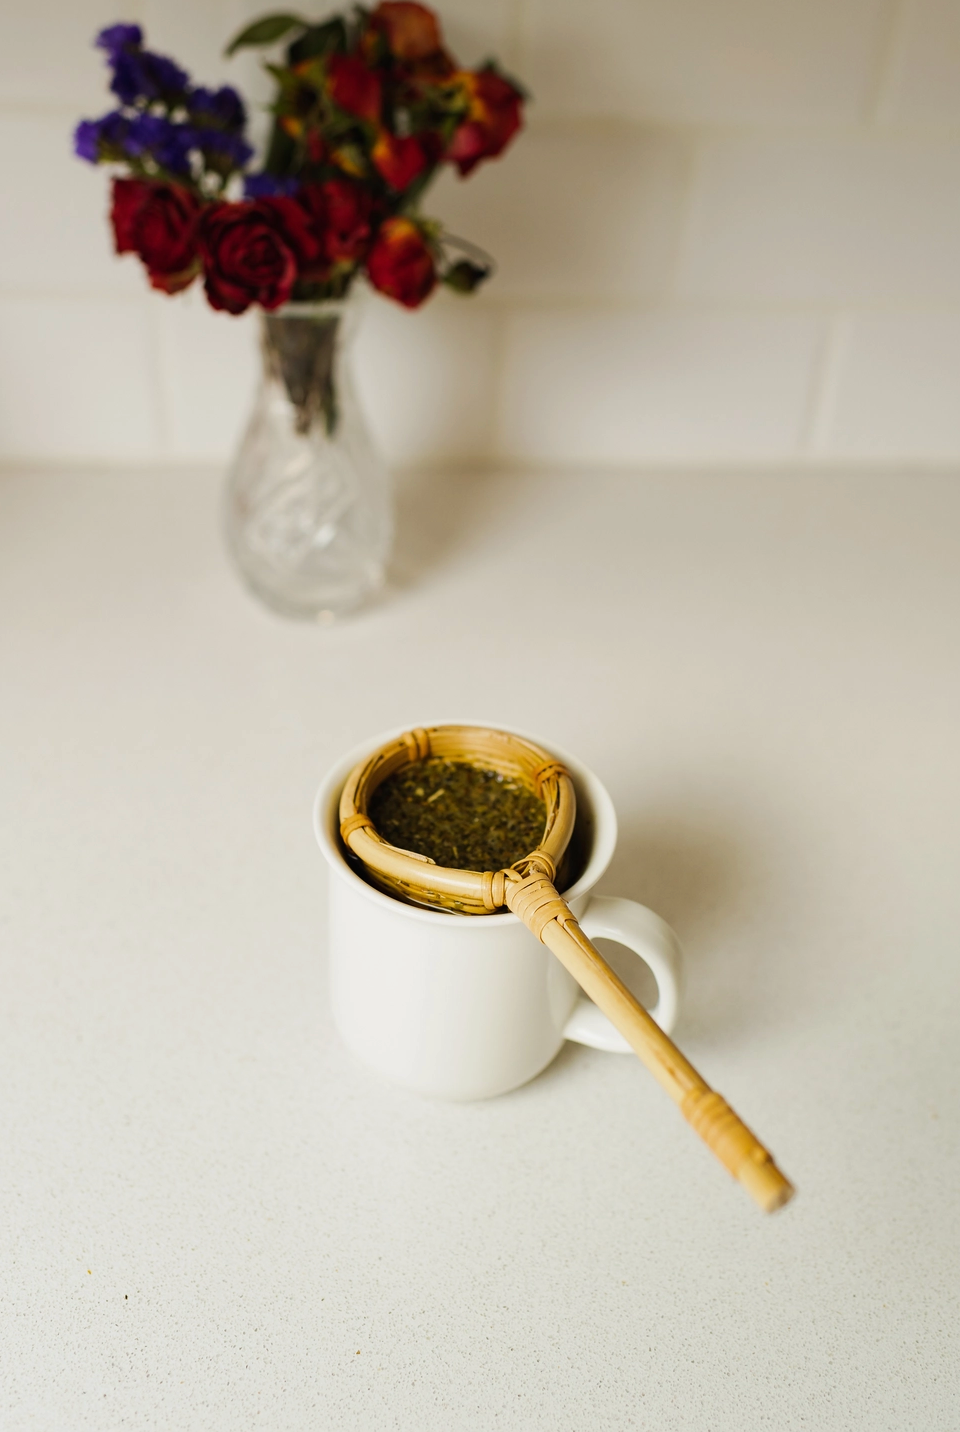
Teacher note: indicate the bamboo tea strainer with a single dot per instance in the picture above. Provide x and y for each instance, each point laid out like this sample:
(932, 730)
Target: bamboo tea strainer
(528, 888)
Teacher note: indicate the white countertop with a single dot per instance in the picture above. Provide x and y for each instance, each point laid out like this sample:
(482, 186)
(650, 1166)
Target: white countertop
(213, 1219)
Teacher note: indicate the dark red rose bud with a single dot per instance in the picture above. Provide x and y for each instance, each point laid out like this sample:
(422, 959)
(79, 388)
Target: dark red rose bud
(254, 252)
(412, 31)
(347, 234)
(289, 219)
(401, 264)
(399, 160)
(316, 149)
(158, 222)
(354, 87)
(493, 118)
(339, 215)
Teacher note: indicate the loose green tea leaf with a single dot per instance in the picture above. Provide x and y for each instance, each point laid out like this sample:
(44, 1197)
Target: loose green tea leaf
(458, 815)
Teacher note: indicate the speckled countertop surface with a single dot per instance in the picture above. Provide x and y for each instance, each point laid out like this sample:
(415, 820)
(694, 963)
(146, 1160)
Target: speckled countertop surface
(213, 1219)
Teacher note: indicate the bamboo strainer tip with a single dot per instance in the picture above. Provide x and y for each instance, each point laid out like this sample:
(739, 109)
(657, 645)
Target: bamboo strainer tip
(528, 888)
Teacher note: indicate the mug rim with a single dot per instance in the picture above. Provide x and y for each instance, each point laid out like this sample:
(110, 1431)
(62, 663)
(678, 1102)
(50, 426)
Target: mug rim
(601, 853)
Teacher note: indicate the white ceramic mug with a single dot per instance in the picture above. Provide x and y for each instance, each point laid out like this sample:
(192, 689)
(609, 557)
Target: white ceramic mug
(468, 1006)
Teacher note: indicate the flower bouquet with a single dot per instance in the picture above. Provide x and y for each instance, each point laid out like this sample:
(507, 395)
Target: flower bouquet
(369, 107)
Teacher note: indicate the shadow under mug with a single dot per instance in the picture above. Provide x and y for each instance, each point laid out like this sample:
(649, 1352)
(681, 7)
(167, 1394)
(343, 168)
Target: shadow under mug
(469, 1006)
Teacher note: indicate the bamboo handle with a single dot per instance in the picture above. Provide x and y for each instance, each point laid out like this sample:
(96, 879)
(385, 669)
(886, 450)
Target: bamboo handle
(537, 903)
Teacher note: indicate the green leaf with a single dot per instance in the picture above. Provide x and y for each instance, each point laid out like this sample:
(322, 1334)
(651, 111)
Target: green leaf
(319, 40)
(265, 31)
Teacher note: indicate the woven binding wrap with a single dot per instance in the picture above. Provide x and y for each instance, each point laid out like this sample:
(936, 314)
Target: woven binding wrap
(535, 901)
(352, 823)
(417, 742)
(549, 771)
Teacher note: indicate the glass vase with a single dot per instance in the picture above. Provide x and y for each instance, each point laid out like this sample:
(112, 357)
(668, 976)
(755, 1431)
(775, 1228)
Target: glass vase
(308, 509)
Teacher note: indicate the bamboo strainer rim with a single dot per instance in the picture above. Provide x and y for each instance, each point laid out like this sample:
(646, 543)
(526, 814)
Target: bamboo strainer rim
(412, 876)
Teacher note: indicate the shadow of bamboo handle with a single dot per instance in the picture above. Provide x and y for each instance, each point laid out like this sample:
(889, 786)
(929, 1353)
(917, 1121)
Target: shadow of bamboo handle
(535, 900)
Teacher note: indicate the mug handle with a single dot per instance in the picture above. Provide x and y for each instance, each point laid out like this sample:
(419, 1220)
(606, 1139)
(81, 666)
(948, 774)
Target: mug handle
(609, 918)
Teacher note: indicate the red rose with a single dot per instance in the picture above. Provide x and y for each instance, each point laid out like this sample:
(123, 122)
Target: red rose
(401, 264)
(339, 213)
(254, 252)
(128, 198)
(412, 30)
(493, 118)
(399, 160)
(158, 222)
(354, 87)
(347, 234)
(316, 149)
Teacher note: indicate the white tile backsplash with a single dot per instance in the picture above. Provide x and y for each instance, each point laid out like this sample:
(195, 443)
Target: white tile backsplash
(55, 235)
(787, 219)
(47, 54)
(209, 369)
(576, 214)
(476, 31)
(707, 61)
(79, 379)
(730, 231)
(673, 386)
(197, 34)
(896, 389)
(427, 379)
(924, 77)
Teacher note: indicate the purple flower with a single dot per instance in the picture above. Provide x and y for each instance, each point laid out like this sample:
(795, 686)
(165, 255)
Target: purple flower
(208, 137)
(164, 76)
(268, 186)
(127, 83)
(167, 143)
(148, 132)
(86, 140)
(117, 37)
(114, 130)
(140, 75)
(222, 107)
(111, 133)
(232, 150)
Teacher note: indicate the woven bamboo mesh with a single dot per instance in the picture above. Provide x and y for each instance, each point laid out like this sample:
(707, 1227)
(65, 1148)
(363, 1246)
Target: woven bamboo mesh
(529, 889)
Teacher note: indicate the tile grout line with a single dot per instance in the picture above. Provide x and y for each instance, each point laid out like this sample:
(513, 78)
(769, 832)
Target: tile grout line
(498, 399)
(921, 306)
(517, 36)
(825, 382)
(601, 124)
(885, 64)
(12, 464)
(162, 380)
(686, 219)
